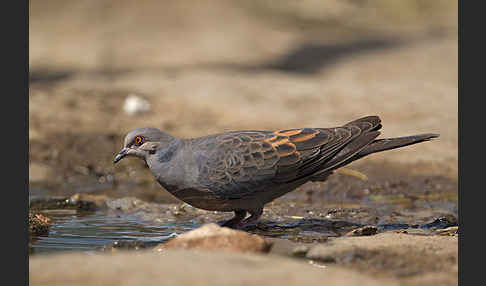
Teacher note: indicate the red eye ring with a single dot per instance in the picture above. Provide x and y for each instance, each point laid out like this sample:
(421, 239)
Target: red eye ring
(138, 140)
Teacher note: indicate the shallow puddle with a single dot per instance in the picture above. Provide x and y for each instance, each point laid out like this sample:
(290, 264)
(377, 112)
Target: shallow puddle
(87, 231)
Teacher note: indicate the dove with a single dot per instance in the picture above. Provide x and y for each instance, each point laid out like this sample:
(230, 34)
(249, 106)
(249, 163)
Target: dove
(241, 171)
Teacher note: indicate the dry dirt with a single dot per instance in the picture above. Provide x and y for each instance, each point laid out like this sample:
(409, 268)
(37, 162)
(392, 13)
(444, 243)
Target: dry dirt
(223, 65)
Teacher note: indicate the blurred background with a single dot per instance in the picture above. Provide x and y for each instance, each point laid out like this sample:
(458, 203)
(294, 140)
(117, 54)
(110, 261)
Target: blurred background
(99, 68)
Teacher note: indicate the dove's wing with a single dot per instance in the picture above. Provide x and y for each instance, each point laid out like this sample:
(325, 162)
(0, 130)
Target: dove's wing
(241, 163)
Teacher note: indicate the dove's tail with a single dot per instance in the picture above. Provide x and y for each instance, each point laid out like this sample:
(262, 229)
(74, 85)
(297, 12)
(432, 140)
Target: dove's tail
(379, 145)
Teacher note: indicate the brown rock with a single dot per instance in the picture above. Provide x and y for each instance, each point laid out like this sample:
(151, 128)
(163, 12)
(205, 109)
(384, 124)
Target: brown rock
(211, 236)
(98, 200)
(38, 224)
(452, 231)
(365, 230)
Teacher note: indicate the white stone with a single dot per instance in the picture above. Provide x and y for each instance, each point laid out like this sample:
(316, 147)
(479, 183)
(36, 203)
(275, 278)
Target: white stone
(135, 105)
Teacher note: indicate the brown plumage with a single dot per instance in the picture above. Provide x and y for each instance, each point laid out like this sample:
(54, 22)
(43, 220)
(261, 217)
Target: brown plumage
(241, 171)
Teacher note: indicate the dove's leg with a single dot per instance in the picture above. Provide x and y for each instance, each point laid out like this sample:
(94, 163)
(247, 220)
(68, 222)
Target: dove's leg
(239, 216)
(254, 216)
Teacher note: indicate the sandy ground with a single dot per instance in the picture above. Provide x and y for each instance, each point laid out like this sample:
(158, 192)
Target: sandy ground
(367, 261)
(219, 66)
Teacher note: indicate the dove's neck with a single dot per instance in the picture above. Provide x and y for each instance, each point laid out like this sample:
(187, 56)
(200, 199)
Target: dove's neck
(167, 165)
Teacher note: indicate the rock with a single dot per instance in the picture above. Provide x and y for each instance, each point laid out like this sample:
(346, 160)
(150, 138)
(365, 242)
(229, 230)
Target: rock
(98, 200)
(213, 237)
(182, 267)
(135, 105)
(300, 251)
(365, 230)
(442, 222)
(452, 231)
(38, 224)
(393, 254)
(127, 204)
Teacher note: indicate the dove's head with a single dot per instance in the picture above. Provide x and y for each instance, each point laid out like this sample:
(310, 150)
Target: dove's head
(143, 142)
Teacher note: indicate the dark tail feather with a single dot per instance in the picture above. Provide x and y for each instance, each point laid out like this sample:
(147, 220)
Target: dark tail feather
(379, 145)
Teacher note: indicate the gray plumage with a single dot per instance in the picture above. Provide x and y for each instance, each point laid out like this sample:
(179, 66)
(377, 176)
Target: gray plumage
(241, 171)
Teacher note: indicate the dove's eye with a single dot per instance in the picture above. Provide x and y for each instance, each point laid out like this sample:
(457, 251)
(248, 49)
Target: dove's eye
(138, 140)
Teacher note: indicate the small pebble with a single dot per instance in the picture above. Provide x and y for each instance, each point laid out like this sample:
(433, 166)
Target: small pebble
(365, 230)
(300, 251)
(135, 105)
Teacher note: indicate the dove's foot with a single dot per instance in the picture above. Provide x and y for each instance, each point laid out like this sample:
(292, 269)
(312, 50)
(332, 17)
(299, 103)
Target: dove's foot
(236, 220)
(252, 219)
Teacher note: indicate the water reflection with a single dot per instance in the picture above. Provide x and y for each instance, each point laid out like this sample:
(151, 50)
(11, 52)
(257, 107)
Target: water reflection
(92, 230)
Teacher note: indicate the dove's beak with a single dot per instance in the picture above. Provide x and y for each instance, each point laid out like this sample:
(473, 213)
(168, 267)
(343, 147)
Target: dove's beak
(120, 155)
